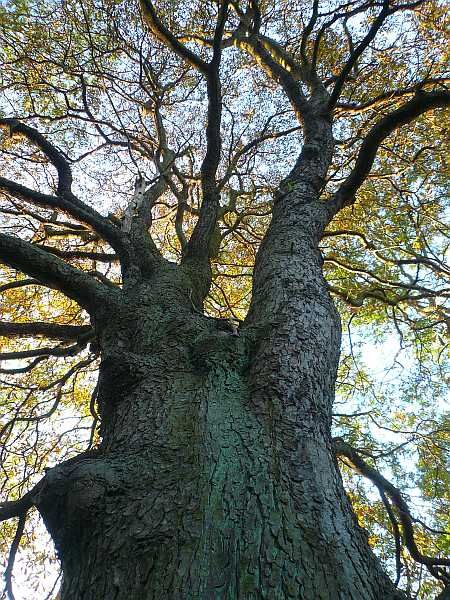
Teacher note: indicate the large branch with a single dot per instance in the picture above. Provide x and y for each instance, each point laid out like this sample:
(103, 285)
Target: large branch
(16, 508)
(354, 460)
(65, 200)
(305, 36)
(198, 247)
(267, 54)
(158, 28)
(73, 207)
(52, 153)
(199, 242)
(421, 103)
(279, 63)
(357, 52)
(52, 271)
(389, 95)
(52, 331)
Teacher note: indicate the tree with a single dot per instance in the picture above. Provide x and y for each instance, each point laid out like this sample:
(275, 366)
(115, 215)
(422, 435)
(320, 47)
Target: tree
(156, 161)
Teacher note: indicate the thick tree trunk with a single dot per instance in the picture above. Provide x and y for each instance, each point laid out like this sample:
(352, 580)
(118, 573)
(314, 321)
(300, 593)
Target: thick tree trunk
(215, 478)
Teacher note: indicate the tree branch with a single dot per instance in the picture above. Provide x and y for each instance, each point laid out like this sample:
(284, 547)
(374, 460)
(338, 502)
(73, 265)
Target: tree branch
(26, 369)
(106, 257)
(352, 59)
(198, 246)
(46, 352)
(12, 555)
(421, 103)
(51, 152)
(199, 242)
(12, 285)
(157, 27)
(306, 33)
(73, 207)
(389, 95)
(355, 461)
(16, 508)
(263, 50)
(51, 331)
(397, 535)
(54, 272)
(356, 52)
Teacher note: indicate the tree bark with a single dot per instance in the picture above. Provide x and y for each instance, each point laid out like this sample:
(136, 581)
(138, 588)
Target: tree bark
(215, 477)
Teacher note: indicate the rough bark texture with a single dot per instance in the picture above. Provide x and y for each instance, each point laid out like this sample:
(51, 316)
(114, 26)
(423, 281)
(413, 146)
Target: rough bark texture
(216, 477)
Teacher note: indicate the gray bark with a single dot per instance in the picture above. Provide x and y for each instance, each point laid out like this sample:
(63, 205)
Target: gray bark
(216, 477)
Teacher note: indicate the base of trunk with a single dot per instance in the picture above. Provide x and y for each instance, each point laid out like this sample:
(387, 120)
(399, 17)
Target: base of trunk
(220, 507)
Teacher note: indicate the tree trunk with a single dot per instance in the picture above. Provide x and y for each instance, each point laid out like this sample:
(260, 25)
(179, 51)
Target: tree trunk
(215, 478)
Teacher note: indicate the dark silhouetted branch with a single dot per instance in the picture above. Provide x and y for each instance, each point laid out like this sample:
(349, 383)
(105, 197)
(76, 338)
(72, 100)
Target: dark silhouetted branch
(419, 104)
(354, 460)
(357, 52)
(200, 239)
(49, 330)
(54, 272)
(51, 152)
(158, 28)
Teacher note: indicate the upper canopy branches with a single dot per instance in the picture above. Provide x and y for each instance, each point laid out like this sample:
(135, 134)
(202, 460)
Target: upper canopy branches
(133, 97)
(198, 246)
(65, 199)
(36, 261)
(132, 101)
(407, 112)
